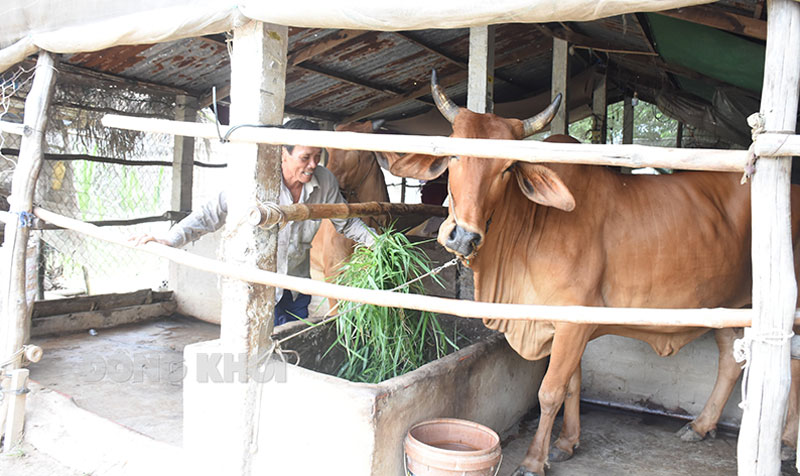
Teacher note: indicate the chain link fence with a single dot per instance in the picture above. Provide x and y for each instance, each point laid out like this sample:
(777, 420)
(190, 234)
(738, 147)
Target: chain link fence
(92, 173)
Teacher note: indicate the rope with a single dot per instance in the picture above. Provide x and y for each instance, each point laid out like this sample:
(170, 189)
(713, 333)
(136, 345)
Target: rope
(757, 125)
(742, 351)
(327, 319)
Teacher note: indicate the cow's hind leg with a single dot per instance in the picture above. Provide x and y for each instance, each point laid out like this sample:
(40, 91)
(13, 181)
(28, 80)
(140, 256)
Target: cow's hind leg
(569, 437)
(728, 373)
(569, 343)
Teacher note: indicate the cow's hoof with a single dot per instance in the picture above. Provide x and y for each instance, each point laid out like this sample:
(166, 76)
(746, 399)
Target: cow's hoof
(687, 433)
(787, 452)
(557, 455)
(521, 471)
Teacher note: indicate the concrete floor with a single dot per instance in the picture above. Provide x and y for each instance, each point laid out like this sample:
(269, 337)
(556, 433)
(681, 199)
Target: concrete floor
(127, 375)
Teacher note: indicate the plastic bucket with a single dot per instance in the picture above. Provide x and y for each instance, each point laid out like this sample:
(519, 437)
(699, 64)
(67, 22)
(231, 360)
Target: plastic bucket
(449, 447)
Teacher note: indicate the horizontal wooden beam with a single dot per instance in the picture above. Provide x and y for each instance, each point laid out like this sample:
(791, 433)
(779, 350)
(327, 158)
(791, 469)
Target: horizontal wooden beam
(85, 320)
(265, 216)
(582, 41)
(712, 318)
(526, 151)
(12, 128)
(721, 20)
(771, 144)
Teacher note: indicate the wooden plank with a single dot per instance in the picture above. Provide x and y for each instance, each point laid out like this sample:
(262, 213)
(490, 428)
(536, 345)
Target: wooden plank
(774, 282)
(585, 42)
(183, 157)
(721, 20)
(480, 75)
(15, 421)
(99, 302)
(100, 319)
(712, 318)
(560, 123)
(526, 151)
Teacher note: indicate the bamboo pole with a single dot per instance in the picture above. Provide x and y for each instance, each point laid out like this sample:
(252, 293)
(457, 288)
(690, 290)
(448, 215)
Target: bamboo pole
(15, 318)
(777, 145)
(768, 376)
(711, 318)
(266, 216)
(525, 151)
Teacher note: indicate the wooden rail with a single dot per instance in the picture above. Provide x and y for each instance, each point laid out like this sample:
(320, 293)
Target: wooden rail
(522, 150)
(712, 318)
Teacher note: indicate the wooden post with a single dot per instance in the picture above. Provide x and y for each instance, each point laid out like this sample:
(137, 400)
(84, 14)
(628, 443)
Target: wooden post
(560, 123)
(15, 319)
(16, 408)
(679, 136)
(600, 110)
(774, 282)
(258, 75)
(183, 156)
(480, 83)
(627, 120)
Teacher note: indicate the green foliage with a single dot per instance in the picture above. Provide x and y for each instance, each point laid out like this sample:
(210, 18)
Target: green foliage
(650, 126)
(382, 342)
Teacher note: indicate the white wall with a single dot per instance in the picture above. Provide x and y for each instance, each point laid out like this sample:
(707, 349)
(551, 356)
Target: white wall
(628, 372)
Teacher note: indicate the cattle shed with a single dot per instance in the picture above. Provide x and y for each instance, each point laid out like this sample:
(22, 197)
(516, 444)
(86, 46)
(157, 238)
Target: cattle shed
(112, 113)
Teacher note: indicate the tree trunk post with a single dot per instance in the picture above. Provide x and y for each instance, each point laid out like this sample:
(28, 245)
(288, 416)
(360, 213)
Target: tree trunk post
(774, 282)
(17, 302)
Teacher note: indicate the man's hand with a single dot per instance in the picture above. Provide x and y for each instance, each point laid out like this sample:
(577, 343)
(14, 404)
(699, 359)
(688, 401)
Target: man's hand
(139, 240)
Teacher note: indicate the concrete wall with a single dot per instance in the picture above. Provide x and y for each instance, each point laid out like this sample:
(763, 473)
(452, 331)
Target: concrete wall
(197, 292)
(629, 373)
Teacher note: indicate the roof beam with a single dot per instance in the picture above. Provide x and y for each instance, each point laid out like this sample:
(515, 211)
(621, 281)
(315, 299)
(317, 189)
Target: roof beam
(446, 81)
(319, 47)
(355, 82)
(721, 20)
(453, 60)
(582, 41)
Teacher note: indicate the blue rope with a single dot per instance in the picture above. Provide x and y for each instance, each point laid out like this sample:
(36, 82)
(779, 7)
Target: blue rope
(26, 219)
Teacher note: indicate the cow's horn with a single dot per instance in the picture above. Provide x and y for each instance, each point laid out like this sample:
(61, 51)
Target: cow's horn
(447, 107)
(536, 123)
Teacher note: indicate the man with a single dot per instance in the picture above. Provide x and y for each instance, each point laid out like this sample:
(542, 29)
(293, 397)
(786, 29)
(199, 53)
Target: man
(304, 181)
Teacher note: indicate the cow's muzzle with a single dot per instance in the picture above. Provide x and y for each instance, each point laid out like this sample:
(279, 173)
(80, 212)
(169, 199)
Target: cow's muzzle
(463, 243)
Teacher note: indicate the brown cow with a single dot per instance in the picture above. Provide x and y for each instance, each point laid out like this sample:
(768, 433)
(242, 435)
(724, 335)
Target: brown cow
(360, 180)
(585, 235)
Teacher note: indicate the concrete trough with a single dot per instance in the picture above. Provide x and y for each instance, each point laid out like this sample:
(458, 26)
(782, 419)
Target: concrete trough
(312, 422)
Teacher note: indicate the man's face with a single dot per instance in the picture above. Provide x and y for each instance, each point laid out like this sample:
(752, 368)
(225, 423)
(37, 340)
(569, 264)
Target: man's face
(300, 164)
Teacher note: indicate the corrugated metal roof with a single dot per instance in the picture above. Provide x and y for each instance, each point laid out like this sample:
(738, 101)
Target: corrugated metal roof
(377, 72)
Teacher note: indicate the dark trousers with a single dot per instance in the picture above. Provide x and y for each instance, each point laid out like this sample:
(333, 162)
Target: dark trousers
(289, 309)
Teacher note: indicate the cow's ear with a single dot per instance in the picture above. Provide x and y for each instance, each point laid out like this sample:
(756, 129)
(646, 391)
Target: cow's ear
(542, 185)
(418, 166)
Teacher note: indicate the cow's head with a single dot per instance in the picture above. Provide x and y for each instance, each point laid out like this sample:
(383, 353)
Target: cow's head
(476, 185)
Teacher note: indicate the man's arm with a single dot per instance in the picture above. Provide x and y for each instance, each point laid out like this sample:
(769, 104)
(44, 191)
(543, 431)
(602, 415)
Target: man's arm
(208, 218)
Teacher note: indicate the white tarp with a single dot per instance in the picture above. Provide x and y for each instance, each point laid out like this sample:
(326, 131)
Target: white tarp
(89, 25)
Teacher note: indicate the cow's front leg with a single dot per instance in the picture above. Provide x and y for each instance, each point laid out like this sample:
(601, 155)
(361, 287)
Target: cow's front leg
(569, 437)
(728, 373)
(569, 343)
